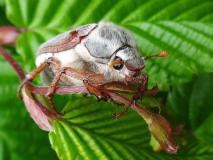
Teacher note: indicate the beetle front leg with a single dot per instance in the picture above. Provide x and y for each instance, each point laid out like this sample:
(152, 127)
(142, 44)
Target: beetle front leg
(152, 91)
(92, 81)
(142, 88)
(98, 91)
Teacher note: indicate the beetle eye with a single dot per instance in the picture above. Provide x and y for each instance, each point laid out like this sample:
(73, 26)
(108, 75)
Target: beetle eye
(118, 66)
(117, 63)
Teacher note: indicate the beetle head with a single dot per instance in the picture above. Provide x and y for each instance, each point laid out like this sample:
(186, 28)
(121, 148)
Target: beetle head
(114, 50)
(126, 61)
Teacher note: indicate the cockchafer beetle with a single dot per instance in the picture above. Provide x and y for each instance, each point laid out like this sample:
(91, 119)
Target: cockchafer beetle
(102, 57)
(99, 56)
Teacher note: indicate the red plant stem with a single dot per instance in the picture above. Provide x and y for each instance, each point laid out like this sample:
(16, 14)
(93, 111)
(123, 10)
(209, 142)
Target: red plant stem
(13, 63)
(83, 90)
(59, 90)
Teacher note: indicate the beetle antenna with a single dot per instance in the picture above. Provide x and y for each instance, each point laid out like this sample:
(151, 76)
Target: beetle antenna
(161, 54)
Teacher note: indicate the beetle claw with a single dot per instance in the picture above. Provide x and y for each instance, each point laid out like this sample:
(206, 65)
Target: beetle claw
(102, 98)
(134, 101)
(114, 116)
(85, 94)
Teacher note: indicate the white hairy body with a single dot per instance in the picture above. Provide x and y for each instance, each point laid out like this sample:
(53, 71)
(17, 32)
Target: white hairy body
(94, 53)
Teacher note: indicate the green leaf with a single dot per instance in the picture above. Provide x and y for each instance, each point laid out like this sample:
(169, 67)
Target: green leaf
(87, 130)
(168, 25)
(2, 2)
(20, 138)
(205, 131)
(3, 20)
(192, 104)
(201, 101)
(181, 27)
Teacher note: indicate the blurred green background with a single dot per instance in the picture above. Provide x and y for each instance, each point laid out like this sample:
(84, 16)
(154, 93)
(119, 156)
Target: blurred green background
(184, 28)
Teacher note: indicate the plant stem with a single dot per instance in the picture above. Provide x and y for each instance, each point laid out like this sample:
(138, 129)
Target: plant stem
(83, 90)
(20, 72)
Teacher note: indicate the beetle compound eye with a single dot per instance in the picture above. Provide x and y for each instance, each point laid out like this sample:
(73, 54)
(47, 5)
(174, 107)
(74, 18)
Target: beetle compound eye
(117, 63)
(118, 66)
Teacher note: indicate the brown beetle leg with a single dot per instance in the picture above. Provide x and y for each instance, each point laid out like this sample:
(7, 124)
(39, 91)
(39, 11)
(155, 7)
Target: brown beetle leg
(120, 114)
(32, 76)
(116, 103)
(151, 92)
(101, 89)
(55, 65)
(142, 89)
(94, 78)
(101, 93)
(125, 88)
(98, 91)
(53, 86)
(118, 86)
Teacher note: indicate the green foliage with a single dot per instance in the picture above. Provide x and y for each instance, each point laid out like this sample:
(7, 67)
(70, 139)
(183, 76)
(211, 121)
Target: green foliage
(87, 131)
(20, 138)
(192, 104)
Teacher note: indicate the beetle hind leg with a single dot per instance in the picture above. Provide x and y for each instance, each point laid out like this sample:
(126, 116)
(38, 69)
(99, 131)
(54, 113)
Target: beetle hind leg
(55, 66)
(31, 76)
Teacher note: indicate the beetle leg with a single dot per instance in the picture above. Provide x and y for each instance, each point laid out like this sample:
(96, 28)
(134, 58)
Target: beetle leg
(142, 89)
(152, 91)
(115, 86)
(53, 86)
(125, 88)
(84, 75)
(29, 77)
(55, 65)
(117, 103)
(98, 91)
(118, 86)
(101, 94)
(120, 114)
